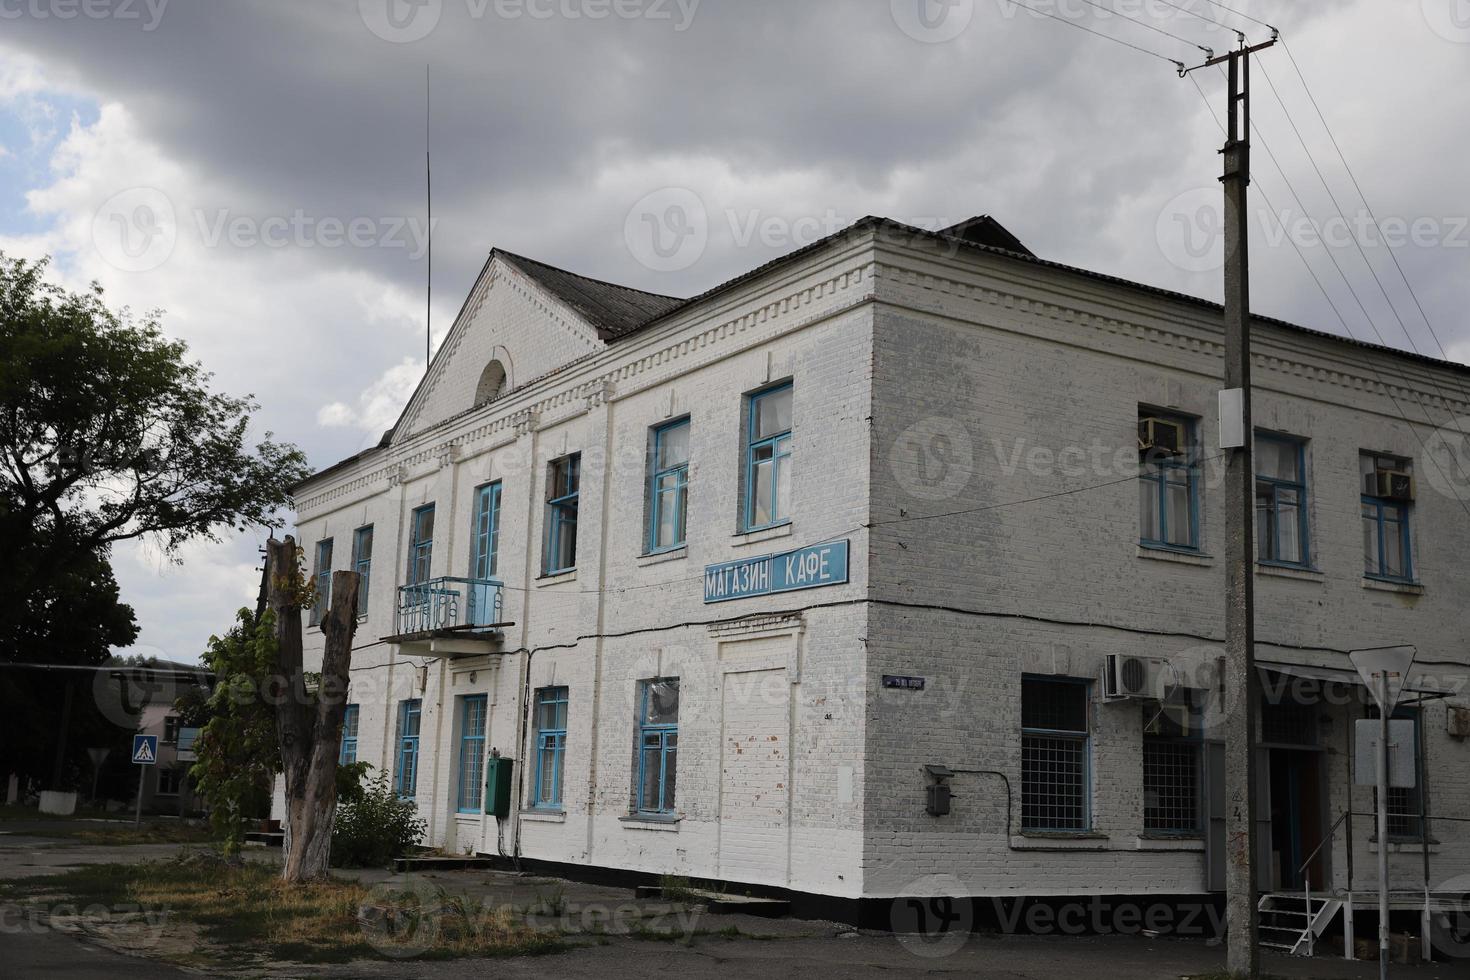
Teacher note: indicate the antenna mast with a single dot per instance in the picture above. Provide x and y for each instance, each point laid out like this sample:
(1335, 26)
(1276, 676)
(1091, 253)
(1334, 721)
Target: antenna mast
(428, 232)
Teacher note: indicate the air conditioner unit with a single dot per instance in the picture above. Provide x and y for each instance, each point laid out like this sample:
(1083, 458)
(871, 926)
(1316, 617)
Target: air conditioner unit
(1134, 678)
(1160, 436)
(1391, 485)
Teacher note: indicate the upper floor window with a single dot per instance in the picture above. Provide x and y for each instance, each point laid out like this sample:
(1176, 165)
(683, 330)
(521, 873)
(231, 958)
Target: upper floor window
(421, 545)
(768, 459)
(669, 487)
(562, 483)
(322, 572)
(485, 542)
(1169, 480)
(171, 730)
(1281, 500)
(362, 564)
(491, 383)
(1055, 754)
(348, 753)
(658, 745)
(1387, 505)
(551, 745)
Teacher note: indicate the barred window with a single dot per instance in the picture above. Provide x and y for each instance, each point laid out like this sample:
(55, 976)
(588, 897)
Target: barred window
(1404, 801)
(1172, 760)
(1054, 754)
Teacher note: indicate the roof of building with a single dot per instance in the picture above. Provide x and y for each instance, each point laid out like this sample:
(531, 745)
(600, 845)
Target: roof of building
(618, 311)
(613, 310)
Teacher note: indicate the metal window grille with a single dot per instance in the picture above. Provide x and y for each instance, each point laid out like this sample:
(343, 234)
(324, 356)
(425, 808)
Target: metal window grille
(1054, 755)
(1289, 724)
(1403, 801)
(1170, 785)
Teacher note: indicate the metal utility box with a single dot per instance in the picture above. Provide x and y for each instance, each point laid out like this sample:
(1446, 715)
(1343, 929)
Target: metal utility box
(498, 786)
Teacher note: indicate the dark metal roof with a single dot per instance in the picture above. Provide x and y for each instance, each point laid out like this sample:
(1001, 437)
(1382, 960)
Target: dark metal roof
(614, 310)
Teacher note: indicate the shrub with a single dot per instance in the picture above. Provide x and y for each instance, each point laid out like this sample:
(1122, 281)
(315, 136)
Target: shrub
(374, 827)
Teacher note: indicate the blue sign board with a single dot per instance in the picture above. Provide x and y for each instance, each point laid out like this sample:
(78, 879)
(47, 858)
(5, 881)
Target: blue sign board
(145, 749)
(805, 568)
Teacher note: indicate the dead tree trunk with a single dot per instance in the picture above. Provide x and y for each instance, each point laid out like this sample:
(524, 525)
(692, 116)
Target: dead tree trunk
(310, 728)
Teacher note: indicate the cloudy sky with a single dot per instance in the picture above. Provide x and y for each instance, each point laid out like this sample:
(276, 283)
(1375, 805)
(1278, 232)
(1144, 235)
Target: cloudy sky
(255, 169)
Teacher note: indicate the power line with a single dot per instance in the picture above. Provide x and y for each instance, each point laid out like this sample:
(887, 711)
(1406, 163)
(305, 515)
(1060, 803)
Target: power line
(1199, 16)
(1209, 52)
(1230, 10)
(1106, 37)
(1367, 362)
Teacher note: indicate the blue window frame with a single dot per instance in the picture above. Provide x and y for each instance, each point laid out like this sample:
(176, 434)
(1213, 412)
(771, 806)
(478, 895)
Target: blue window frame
(768, 459)
(562, 486)
(421, 545)
(406, 771)
(473, 711)
(322, 572)
(669, 487)
(1281, 501)
(658, 745)
(1387, 547)
(1056, 765)
(362, 564)
(1169, 487)
(348, 755)
(551, 746)
(485, 547)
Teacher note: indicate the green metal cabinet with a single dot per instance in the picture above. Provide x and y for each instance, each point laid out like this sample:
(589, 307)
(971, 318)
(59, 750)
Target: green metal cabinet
(498, 786)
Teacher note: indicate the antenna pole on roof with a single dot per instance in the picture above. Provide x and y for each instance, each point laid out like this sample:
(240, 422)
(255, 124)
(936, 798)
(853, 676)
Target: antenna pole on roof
(429, 234)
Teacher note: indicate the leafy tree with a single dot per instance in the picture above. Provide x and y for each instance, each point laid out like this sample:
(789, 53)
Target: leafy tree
(109, 432)
(237, 750)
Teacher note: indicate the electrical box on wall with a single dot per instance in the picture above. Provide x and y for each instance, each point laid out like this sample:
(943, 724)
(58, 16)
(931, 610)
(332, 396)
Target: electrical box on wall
(497, 786)
(939, 795)
(1458, 722)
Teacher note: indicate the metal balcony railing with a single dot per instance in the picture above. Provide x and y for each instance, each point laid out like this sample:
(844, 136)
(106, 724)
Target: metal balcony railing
(447, 604)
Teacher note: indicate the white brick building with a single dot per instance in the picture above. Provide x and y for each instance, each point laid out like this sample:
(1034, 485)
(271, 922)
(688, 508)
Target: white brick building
(939, 435)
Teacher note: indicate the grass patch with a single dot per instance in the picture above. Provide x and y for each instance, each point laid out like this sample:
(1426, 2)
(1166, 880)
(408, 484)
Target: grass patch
(249, 910)
(172, 832)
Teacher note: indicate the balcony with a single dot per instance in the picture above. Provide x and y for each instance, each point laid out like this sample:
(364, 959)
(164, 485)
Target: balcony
(449, 616)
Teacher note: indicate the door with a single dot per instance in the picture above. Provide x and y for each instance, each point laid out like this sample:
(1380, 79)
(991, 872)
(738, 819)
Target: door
(755, 776)
(1215, 815)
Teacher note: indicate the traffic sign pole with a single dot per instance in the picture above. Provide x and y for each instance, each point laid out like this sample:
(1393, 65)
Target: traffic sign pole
(138, 807)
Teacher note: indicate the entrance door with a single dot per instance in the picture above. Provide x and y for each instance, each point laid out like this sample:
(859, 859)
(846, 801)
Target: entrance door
(1296, 817)
(755, 776)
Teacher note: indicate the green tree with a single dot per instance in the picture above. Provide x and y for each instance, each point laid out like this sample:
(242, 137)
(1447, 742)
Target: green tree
(109, 432)
(237, 749)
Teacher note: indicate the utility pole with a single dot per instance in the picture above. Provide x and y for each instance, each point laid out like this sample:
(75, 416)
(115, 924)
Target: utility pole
(1242, 948)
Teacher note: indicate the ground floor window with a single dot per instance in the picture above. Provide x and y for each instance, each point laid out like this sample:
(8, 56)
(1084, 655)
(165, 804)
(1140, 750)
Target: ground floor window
(551, 745)
(1055, 761)
(170, 780)
(348, 755)
(472, 712)
(1173, 757)
(658, 745)
(1404, 801)
(406, 770)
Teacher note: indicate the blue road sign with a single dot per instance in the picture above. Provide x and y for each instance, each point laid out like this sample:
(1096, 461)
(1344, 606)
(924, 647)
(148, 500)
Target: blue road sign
(145, 749)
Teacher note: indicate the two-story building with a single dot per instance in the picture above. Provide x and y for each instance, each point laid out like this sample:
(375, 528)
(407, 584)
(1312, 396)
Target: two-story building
(742, 584)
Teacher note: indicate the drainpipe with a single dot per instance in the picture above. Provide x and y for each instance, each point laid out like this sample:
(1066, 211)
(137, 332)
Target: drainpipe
(528, 583)
(608, 466)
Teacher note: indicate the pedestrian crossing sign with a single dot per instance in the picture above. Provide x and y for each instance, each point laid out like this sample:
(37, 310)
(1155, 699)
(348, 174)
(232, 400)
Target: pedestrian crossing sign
(145, 749)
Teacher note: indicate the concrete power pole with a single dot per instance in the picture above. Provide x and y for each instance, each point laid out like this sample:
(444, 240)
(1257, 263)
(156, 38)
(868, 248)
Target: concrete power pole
(1243, 952)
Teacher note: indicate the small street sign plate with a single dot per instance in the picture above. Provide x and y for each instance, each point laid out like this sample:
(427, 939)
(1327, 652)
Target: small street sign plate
(145, 749)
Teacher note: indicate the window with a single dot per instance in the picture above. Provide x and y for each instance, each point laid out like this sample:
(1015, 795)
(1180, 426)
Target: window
(323, 576)
(170, 781)
(1386, 550)
(362, 564)
(561, 515)
(406, 773)
(348, 755)
(669, 487)
(551, 745)
(1054, 755)
(768, 459)
(1168, 487)
(1281, 500)
(171, 730)
(421, 545)
(1172, 760)
(1404, 801)
(473, 709)
(658, 745)
(485, 540)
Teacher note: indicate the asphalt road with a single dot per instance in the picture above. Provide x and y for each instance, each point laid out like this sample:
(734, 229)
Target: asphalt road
(28, 950)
